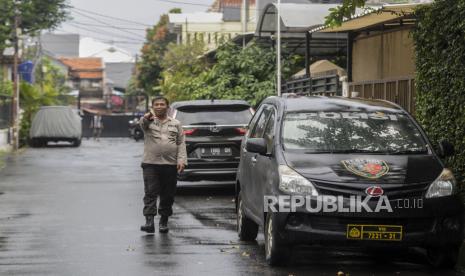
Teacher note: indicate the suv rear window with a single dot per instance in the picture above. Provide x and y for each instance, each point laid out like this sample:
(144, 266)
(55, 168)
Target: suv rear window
(214, 115)
(347, 132)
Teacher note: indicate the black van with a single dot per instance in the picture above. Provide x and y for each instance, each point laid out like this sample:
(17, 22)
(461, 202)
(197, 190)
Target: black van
(314, 170)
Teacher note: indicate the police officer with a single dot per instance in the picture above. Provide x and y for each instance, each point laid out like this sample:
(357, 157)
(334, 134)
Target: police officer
(164, 157)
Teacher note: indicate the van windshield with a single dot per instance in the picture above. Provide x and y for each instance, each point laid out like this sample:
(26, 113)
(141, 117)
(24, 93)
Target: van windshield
(346, 132)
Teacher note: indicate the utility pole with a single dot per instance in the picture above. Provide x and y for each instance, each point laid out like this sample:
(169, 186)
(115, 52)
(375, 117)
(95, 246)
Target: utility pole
(245, 18)
(15, 100)
(278, 49)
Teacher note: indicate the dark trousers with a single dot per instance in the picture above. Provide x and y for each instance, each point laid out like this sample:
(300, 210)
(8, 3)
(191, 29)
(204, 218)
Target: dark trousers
(159, 181)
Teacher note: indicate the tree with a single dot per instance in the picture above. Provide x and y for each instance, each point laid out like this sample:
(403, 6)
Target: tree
(344, 11)
(33, 15)
(157, 40)
(248, 74)
(181, 65)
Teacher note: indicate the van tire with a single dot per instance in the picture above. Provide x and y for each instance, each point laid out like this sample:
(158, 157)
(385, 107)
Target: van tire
(277, 252)
(247, 229)
(440, 257)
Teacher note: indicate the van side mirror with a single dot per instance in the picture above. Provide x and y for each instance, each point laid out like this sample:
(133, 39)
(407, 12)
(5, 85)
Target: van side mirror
(256, 145)
(445, 149)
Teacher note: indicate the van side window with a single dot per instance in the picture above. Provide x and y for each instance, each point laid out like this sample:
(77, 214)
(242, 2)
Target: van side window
(269, 132)
(259, 128)
(254, 120)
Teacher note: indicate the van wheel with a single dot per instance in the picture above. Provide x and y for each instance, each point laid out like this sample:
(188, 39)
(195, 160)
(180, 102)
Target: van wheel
(277, 252)
(247, 229)
(443, 257)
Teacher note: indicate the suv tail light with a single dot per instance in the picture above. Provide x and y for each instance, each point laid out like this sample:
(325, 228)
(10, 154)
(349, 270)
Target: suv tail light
(241, 131)
(188, 132)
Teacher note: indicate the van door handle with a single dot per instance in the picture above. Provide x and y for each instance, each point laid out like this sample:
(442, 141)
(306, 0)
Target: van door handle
(254, 159)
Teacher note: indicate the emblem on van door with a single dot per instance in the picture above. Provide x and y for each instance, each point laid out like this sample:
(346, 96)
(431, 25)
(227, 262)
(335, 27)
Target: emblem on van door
(368, 168)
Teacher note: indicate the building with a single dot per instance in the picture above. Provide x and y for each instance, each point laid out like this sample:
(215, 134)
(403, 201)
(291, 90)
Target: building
(86, 75)
(60, 45)
(380, 53)
(119, 64)
(224, 21)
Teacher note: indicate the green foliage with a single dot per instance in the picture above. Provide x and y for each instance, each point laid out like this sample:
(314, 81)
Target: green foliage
(182, 65)
(157, 40)
(248, 74)
(35, 16)
(344, 11)
(50, 89)
(440, 59)
(6, 88)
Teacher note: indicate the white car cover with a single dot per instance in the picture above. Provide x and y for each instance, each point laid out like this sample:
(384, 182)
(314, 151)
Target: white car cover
(56, 122)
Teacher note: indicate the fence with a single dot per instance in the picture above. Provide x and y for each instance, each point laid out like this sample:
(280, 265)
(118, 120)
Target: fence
(5, 111)
(400, 91)
(113, 125)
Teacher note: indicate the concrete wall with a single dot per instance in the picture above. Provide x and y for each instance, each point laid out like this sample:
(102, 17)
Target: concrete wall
(61, 45)
(384, 56)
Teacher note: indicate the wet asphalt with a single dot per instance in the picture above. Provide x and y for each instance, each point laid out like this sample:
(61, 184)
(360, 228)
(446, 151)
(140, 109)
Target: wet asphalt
(77, 211)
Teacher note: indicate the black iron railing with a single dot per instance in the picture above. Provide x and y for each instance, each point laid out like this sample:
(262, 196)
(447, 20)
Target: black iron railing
(322, 85)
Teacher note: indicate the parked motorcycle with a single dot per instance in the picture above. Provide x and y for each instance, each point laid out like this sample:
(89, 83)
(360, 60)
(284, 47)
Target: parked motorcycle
(135, 131)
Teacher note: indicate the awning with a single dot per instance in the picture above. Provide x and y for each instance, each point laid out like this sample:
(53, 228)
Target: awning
(296, 21)
(374, 17)
(295, 18)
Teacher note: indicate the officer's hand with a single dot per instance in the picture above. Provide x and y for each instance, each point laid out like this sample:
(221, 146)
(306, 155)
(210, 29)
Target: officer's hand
(181, 167)
(148, 116)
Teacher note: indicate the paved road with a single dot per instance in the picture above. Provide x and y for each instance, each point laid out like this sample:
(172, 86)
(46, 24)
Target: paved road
(77, 211)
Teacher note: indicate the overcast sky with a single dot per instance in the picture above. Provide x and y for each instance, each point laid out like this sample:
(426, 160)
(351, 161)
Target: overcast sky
(128, 35)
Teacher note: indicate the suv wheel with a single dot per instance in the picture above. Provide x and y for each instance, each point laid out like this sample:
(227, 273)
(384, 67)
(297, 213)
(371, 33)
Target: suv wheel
(247, 229)
(38, 143)
(277, 252)
(77, 142)
(443, 257)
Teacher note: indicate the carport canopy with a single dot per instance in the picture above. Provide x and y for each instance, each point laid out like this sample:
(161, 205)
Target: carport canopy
(296, 20)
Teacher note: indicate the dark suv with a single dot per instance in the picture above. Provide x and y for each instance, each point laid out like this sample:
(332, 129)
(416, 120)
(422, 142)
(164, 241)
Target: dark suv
(214, 130)
(368, 162)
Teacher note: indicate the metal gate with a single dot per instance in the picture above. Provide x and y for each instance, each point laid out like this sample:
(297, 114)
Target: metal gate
(113, 125)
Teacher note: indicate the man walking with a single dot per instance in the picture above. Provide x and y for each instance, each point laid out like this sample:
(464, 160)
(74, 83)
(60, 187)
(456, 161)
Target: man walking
(164, 157)
(96, 125)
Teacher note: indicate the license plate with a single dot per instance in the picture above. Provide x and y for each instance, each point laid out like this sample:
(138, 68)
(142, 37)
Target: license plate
(374, 232)
(216, 151)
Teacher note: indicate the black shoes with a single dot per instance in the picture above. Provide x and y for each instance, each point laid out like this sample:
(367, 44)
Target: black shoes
(149, 226)
(163, 227)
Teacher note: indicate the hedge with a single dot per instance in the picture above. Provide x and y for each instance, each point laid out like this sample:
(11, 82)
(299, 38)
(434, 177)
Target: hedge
(439, 38)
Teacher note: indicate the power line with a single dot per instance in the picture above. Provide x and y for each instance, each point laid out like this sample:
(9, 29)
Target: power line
(201, 5)
(105, 26)
(185, 3)
(106, 33)
(103, 22)
(111, 17)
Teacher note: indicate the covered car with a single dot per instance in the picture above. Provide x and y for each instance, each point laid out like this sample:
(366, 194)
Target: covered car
(54, 124)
